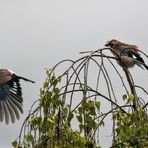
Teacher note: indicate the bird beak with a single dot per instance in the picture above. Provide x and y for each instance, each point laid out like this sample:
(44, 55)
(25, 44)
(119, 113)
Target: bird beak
(107, 44)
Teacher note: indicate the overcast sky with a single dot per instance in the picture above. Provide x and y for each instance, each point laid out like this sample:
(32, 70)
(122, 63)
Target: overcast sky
(36, 34)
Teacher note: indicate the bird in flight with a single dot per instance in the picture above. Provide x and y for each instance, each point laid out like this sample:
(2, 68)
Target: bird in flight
(11, 101)
(128, 53)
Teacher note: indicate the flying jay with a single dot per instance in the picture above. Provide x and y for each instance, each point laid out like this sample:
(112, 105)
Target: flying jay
(128, 53)
(10, 95)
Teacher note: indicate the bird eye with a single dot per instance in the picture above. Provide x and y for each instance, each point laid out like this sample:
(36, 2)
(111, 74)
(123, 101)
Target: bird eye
(113, 42)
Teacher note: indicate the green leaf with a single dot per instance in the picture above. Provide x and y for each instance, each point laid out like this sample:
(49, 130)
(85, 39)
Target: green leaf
(124, 97)
(50, 133)
(49, 94)
(14, 143)
(102, 123)
(81, 127)
(118, 131)
(93, 124)
(45, 84)
(79, 118)
(42, 92)
(130, 98)
(97, 104)
(71, 115)
(80, 109)
(35, 119)
(29, 138)
(56, 90)
(50, 120)
(58, 102)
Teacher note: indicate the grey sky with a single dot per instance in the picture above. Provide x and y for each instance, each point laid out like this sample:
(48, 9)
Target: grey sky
(36, 34)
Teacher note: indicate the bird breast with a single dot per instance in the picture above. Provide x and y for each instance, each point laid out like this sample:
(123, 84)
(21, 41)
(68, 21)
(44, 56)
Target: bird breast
(126, 61)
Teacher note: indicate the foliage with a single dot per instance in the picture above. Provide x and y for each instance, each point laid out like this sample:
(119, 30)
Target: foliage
(70, 113)
(131, 130)
(53, 127)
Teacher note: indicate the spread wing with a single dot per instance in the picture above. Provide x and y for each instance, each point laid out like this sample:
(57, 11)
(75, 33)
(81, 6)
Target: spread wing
(10, 101)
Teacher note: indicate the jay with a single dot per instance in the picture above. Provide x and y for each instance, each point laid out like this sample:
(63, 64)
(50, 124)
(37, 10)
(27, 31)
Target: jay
(10, 95)
(128, 53)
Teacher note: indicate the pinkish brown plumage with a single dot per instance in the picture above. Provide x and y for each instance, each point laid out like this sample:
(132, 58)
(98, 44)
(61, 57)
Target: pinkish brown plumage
(128, 53)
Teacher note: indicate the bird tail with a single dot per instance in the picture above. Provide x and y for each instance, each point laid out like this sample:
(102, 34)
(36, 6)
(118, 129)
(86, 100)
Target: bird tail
(141, 61)
(145, 66)
(140, 64)
(25, 79)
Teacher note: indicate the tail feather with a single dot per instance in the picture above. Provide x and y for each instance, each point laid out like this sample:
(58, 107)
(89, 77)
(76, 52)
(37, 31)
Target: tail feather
(25, 79)
(145, 66)
(140, 63)
(140, 59)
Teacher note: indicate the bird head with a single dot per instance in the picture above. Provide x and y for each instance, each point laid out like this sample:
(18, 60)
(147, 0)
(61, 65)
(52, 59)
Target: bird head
(112, 43)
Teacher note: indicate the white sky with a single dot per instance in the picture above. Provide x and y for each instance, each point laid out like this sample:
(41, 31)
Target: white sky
(36, 34)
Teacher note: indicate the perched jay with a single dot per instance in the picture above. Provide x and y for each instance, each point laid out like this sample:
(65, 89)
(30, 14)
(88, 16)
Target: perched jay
(128, 53)
(10, 95)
